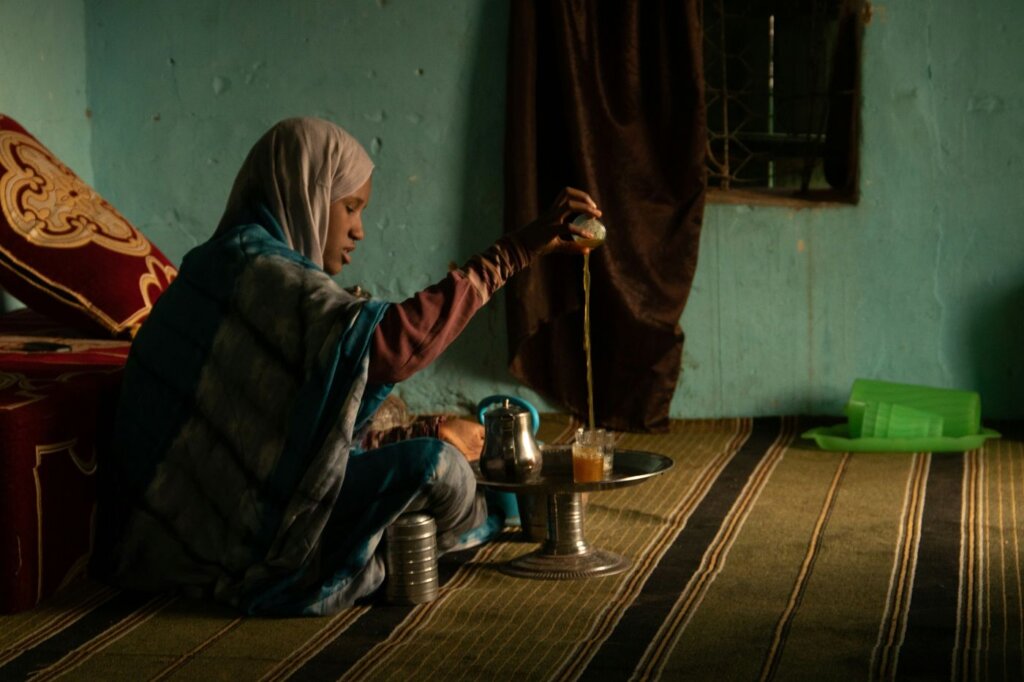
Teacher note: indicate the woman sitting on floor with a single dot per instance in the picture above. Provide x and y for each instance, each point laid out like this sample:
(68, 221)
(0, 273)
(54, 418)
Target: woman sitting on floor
(239, 469)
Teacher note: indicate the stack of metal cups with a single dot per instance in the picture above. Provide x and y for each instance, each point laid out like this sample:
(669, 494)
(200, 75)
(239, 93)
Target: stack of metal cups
(411, 559)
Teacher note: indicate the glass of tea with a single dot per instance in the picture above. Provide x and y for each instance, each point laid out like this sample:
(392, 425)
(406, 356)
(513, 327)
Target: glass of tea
(591, 455)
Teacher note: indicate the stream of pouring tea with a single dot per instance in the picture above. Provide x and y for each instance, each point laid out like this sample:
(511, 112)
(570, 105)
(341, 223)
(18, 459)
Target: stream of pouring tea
(586, 339)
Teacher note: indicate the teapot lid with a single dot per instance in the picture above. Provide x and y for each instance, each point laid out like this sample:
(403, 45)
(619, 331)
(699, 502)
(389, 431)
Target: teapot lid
(507, 407)
(505, 410)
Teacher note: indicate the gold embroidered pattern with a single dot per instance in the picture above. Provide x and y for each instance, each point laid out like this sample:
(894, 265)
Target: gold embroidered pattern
(87, 467)
(158, 276)
(18, 390)
(152, 283)
(48, 205)
(22, 391)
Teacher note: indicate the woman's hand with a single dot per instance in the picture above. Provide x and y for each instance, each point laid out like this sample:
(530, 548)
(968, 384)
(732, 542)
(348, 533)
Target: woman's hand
(552, 231)
(467, 436)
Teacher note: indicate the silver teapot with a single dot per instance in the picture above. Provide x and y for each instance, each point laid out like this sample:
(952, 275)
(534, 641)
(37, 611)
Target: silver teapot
(510, 451)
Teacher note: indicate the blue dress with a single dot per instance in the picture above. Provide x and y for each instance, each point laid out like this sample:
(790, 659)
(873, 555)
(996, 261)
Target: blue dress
(235, 470)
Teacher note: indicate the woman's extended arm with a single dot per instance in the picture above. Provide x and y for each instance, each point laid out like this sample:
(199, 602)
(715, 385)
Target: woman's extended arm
(414, 332)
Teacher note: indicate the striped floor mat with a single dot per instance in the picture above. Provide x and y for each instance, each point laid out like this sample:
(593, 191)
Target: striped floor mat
(757, 557)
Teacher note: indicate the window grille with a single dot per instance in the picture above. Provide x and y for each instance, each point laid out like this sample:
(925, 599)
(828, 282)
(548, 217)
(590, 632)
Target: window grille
(782, 93)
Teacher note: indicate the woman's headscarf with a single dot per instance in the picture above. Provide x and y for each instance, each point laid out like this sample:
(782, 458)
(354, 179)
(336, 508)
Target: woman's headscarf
(297, 170)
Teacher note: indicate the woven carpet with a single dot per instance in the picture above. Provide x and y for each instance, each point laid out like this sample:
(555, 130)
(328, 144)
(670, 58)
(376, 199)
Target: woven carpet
(756, 557)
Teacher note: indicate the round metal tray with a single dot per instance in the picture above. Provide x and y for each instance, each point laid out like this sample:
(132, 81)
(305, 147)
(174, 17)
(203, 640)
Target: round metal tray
(565, 553)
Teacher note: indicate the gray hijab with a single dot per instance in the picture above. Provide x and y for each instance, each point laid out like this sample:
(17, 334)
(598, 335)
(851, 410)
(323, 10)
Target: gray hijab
(297, 170)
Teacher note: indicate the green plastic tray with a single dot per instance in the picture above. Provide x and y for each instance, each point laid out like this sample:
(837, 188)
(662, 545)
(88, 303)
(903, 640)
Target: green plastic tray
(837, 438)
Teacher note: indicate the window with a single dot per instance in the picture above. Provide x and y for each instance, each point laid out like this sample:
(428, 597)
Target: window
(782, 88)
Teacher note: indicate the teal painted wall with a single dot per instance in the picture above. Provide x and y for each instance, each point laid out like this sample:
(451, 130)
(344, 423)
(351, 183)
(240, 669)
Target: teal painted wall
(923, 281)
(42, 75)
(180, 91)
(42, 80)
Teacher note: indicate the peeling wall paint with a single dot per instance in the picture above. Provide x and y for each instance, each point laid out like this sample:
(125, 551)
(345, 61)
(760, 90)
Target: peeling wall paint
(923, 281)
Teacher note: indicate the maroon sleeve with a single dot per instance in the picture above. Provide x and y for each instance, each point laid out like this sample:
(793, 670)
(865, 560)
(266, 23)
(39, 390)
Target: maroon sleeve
(411, 334)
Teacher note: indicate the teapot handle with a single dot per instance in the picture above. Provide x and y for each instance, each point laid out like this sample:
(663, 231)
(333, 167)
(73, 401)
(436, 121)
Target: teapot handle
(491, 399)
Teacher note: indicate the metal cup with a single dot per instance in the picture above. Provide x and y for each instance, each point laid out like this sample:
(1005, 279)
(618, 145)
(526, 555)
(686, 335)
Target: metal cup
(411, 559)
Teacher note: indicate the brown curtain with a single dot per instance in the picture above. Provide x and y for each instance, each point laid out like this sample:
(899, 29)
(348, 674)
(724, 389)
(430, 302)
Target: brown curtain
(607, 96)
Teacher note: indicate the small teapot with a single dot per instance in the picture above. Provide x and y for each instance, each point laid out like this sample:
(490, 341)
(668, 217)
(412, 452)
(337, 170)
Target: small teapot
(510, 451)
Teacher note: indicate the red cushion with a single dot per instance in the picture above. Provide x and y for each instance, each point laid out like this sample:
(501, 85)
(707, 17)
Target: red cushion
(66, 252)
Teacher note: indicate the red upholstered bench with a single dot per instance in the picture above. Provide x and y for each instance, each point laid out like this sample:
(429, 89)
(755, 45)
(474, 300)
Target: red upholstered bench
(58, 392)
(69, 254)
